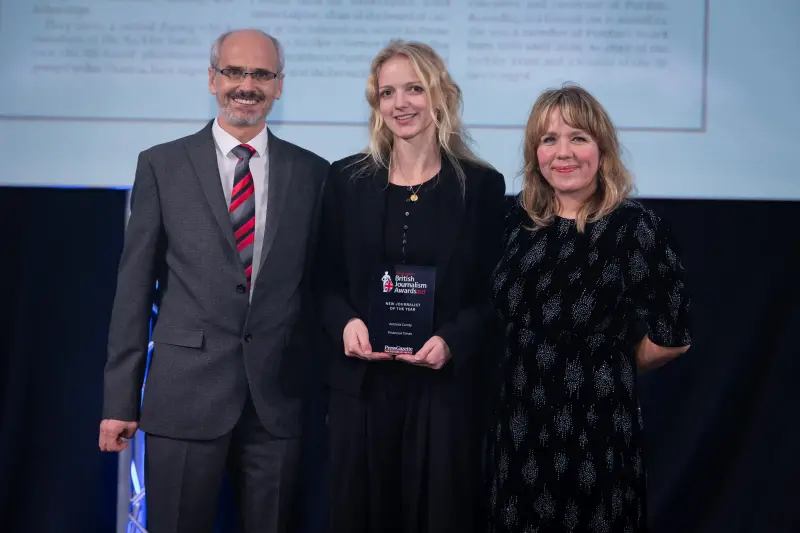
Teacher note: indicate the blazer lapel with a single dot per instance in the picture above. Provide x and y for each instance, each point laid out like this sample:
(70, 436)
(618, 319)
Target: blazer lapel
(372, 203)
(203, 155)
(451, 212)
(281, 164)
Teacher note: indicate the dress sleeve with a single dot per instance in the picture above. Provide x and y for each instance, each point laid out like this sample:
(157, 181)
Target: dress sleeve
(656, 281)
(512, 220)
(507, 280)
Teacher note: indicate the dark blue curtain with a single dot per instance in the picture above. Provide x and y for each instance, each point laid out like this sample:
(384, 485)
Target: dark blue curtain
(721, 421)
(60, 250)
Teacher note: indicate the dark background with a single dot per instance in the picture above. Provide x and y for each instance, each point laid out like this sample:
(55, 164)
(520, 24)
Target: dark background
(721, 421)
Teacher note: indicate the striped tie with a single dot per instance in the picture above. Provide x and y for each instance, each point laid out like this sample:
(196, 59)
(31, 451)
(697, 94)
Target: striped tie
(243, 207)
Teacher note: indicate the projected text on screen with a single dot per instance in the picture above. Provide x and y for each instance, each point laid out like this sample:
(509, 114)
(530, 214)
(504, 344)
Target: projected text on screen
(643, 59)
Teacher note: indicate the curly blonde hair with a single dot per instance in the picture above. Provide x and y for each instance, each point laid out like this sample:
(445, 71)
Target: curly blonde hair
(582, 111)
(446, 105)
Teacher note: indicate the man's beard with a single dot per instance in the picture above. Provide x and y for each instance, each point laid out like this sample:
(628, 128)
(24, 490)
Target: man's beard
(237, 118)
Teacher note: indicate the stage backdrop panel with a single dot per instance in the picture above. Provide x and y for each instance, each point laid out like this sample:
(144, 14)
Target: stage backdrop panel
(705, 95)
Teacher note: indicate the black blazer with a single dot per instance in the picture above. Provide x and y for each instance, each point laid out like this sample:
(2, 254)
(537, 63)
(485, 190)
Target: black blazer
(350, 251)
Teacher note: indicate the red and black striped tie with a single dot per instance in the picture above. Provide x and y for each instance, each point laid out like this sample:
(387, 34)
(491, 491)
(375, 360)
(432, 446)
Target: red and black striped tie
(243, 207)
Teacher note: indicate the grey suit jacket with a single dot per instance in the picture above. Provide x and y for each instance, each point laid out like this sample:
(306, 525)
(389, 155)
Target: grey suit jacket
(211, 345)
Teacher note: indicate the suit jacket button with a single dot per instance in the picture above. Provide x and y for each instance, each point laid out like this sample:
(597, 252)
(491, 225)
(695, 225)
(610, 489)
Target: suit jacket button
(241, 288)
(248, 337)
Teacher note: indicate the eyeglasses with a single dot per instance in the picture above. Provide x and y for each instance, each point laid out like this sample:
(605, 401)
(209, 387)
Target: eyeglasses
(238, 74)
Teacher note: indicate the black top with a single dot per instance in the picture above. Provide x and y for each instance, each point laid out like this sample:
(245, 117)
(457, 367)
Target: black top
(567, 451)
(410, 227)
(459, 233)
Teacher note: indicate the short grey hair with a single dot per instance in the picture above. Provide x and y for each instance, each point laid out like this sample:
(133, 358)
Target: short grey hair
(215, 47)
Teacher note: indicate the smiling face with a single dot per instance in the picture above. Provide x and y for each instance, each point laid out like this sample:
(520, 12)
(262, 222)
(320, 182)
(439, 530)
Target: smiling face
(568, 158)
(402, 100)
(244, 102)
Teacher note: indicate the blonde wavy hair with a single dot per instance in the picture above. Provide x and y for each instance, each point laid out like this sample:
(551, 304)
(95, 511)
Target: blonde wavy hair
(582, 111)
(446, 103)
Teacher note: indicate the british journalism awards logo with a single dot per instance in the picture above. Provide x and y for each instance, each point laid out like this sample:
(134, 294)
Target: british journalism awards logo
(404, 283)
(387, 282)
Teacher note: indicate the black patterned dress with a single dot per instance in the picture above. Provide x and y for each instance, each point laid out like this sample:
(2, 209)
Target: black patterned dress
(567, 447)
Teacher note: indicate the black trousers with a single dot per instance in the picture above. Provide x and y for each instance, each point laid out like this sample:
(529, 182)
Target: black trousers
(404, 455)
(183, 479)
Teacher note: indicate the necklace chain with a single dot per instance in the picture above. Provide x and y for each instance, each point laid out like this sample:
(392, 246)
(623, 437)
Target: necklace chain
(414, 196)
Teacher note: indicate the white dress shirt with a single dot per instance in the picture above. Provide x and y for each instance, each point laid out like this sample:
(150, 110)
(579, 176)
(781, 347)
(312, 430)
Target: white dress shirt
(259, 168)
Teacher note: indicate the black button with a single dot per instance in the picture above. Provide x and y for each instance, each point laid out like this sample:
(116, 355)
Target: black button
(241, 288)
(248, 337)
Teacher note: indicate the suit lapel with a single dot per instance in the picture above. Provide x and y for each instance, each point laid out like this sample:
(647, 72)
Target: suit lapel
(281, 165)
(450, 215)
(203, 155)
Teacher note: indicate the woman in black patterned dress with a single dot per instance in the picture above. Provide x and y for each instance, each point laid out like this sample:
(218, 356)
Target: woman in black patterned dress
(584, 269)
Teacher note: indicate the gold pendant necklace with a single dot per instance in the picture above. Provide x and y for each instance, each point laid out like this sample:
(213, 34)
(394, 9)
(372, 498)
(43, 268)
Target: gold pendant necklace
(414, 196)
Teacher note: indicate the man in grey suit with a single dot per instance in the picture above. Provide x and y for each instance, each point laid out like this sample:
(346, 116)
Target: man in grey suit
(225, 221)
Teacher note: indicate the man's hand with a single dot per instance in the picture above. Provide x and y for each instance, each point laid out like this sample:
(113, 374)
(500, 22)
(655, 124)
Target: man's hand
(356, 342)
(112, 433)
(434, 354)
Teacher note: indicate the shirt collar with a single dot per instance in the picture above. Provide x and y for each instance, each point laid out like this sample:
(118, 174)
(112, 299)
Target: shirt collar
(227, 142)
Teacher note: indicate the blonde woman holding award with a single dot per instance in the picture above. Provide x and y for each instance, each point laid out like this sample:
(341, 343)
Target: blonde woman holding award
(411, 230)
